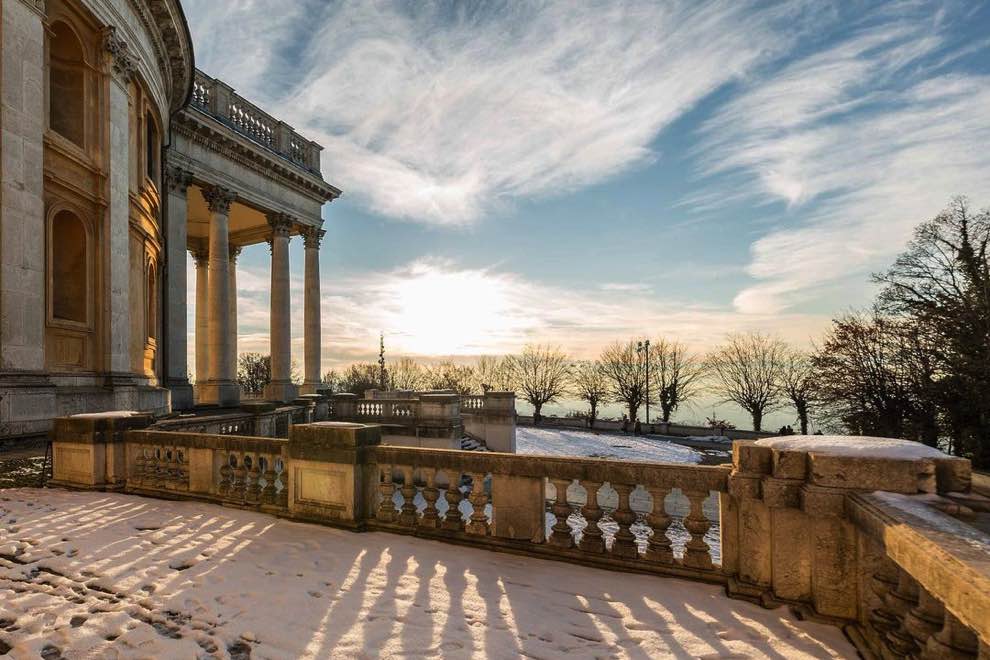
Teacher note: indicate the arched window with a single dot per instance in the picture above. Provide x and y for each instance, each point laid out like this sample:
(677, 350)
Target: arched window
(69, 268)
(66, 96)
(151, 148)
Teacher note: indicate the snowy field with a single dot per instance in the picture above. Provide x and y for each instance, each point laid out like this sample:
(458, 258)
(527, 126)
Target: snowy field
(99, 575)
(559, 442)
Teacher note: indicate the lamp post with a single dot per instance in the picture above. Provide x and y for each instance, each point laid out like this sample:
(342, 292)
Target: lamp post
(643, 347)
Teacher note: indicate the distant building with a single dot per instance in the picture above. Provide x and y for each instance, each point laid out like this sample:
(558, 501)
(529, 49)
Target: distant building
(119, 159)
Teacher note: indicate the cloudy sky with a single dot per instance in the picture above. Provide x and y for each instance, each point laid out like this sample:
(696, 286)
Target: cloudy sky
(577, 172)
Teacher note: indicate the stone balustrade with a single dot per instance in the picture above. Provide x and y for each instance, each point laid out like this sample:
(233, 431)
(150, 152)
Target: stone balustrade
(878, 544)
(219, 100)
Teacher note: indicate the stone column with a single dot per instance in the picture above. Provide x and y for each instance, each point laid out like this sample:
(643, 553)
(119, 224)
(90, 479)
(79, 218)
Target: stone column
(235, 251)
(118, 243)
(312, 327)
(201, 257)
(281, 387)
(27, 395)
(221, 387)
(176, 366)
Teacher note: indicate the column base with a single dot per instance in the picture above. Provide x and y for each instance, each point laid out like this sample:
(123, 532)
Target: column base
(312, 388)
(221, 392)
(281, 391)
(182, 395)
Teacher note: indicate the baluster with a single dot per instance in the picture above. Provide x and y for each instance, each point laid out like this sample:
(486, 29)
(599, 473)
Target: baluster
(884, 581)
(659, 549)
(408, 514)
(252, 489)
(237, 488)
(226, 472)
(139, 466)
(696, 552)
(282, 499)
(268, 492)
(592, 539)
(924, 619)
(453, 520)
(954, 640)
(624, 543)
(478, 524)
(561, 532)
(900, 601)
(386, 508)
(431, 516)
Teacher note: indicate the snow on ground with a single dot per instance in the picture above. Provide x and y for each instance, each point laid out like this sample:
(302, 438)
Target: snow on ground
(558, 442)
(861, 446)
(119, 576)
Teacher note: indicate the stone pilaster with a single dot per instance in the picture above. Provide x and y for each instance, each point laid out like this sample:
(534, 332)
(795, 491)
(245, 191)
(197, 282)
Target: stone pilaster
(177, 183)
(27, 398)
(312, 326)
(121, 66)
(281, 387)
(201, 258)
(221, 385)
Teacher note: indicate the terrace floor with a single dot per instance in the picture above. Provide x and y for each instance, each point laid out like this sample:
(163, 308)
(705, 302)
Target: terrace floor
(118, 576)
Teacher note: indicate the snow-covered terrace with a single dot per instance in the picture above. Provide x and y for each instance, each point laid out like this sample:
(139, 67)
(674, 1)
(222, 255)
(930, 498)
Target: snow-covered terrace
(117, 576)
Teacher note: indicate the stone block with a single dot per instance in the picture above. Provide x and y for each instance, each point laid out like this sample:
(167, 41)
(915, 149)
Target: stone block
(867, 473)
(750, 458)
(790, 464)
(782, 492)
(953, 475)
(791, 554)
(323, 491)
(334, 442)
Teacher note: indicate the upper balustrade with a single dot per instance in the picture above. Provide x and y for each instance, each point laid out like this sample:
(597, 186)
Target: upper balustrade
(220, 101)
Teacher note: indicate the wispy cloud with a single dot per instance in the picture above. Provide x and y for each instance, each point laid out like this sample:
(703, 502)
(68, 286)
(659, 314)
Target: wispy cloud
(862, 141)
(434, 307)
(436, 111)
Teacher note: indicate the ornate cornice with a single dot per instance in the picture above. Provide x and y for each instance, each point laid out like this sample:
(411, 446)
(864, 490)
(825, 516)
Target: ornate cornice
(218, 199)
(312, 237)
(177, 179)
(121, 61)
(281, 224)
(207, 132)
(173, 48)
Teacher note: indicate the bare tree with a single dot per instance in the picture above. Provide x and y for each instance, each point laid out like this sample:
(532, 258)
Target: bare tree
(495, 373)
(747, 370)
(797, 380)
(626, 372)
(448, 375)
(675, 373)
(254, 371)
(590, 383)
(406, 374)
(543, 376)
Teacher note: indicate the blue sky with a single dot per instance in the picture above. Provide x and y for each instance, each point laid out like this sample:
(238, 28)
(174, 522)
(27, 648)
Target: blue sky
(581, 172)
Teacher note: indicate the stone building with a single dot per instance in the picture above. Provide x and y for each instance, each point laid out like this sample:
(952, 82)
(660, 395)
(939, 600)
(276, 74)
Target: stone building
(119, 161)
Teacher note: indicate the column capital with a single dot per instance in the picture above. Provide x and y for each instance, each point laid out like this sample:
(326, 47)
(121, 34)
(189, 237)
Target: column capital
(201, 256)
(219, 199)
(281, 223)
(122, 64)
(177, 179)
(312, 237)
(235, 251)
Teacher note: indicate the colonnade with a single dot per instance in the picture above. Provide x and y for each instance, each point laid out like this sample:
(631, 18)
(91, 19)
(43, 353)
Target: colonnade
(216, 306)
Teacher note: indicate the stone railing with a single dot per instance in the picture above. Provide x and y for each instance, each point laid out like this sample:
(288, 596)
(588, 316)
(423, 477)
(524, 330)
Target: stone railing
(648, 517)
(219, 100)
(878, 544)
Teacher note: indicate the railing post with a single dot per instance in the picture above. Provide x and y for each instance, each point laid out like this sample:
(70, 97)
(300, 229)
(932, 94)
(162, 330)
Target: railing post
(90, 451)
(330, 472)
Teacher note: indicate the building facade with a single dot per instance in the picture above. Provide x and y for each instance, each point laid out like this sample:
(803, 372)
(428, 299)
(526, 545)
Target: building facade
(119, 162)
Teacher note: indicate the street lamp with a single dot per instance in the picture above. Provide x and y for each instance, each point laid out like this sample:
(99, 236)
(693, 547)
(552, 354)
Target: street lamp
(641, 348)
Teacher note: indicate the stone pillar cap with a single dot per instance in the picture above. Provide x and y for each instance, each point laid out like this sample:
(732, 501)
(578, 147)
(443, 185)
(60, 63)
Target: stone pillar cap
(853, 446)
